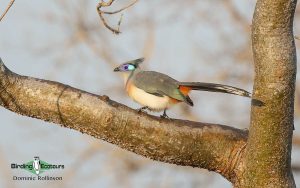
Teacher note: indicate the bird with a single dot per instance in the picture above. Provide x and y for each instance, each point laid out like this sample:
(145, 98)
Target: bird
(36, 165)
(158, 92)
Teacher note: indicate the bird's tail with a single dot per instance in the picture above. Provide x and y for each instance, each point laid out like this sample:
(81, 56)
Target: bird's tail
(215, 88)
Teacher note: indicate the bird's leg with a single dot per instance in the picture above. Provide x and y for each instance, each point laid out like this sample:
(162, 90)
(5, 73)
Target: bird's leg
(165, 115)
(143, 109)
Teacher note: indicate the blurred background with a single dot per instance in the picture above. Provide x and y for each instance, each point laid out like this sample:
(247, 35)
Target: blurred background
(65, 41)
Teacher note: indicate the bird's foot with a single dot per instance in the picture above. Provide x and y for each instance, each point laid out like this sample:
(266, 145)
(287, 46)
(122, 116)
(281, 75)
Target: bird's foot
(165, 116)
(143, 109)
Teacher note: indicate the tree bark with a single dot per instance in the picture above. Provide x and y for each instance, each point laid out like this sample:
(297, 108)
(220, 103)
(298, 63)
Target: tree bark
(268, 152)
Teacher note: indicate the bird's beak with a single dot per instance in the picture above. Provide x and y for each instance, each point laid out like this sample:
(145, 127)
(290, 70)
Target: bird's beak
(117, 69)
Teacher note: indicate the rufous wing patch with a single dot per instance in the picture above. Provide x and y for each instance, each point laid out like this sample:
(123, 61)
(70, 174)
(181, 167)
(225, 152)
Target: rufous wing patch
(185, 90)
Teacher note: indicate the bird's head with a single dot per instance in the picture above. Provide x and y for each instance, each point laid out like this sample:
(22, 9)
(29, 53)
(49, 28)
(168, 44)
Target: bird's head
(129, 65)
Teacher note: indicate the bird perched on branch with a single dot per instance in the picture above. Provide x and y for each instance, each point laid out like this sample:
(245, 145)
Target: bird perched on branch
(158, 92)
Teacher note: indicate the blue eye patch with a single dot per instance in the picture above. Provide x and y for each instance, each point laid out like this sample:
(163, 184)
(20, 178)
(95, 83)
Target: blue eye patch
(130, 67)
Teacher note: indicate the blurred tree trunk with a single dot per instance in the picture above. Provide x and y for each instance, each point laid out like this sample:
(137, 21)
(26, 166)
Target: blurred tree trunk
(260, 159)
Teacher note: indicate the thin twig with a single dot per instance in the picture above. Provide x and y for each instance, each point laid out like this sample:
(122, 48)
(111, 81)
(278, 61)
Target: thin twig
(7, 9)
(120, 10)
(115, 31)
(106, 4)
(119, 23)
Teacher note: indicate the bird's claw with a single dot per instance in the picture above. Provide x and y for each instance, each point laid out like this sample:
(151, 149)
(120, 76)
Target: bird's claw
(165, 116)
(143, 109)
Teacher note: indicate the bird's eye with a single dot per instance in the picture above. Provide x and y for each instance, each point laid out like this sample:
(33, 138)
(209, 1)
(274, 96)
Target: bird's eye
(126, 67)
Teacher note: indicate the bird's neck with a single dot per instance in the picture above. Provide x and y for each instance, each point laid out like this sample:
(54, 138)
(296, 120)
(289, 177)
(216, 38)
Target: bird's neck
(129, 75)
(126, 75)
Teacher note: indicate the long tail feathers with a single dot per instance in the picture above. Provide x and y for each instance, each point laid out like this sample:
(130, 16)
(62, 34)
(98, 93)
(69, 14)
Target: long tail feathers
(216, 88)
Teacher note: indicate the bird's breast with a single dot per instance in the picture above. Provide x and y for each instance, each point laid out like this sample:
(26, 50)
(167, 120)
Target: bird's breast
(155, 103)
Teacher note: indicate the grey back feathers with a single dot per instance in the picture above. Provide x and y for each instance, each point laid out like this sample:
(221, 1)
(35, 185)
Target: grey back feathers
(159, 84)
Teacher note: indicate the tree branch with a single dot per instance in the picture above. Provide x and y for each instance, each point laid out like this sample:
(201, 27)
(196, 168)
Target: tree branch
(7, 9)
(107, 4)
(210, 146)
(268, 152)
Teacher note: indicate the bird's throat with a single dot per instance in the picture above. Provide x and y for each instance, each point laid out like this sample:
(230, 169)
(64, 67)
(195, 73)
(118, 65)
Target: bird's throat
(126, 76)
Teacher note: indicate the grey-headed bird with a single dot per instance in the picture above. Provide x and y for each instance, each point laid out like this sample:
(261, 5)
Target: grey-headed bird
(158, 92)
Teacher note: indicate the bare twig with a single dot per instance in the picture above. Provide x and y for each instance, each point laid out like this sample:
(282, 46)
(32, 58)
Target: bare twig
(7, 9)
(120, 10)
(106, 4)
(119, 23)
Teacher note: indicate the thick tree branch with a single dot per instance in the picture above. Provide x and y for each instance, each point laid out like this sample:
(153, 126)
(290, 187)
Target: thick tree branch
(210, 146)
(268, 152)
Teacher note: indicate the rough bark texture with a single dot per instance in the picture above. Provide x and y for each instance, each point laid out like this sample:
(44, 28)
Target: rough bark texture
(209, 146)
(268, 153)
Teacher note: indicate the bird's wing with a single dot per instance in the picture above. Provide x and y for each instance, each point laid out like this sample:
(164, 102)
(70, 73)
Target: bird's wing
(158, 84)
